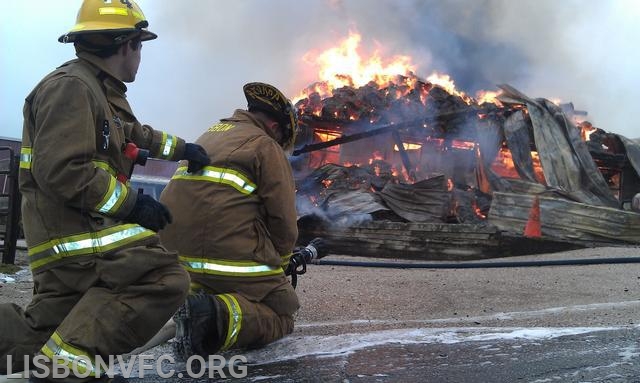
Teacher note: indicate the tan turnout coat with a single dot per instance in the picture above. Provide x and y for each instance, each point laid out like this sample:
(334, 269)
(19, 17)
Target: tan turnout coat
(234, 229)
(73, 173)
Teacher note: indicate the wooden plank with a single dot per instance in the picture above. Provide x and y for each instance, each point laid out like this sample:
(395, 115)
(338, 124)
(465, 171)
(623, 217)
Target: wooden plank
(420, 241)
(563, 219)
(424, 241)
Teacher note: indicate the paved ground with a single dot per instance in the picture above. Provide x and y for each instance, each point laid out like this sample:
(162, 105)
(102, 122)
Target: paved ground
(453, 325)
(495, 355)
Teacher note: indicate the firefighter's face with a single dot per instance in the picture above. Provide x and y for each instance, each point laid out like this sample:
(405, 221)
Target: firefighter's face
(133, 51)
(279, 136)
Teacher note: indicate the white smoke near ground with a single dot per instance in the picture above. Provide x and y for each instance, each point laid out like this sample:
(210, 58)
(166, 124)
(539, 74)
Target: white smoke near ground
(572, 50)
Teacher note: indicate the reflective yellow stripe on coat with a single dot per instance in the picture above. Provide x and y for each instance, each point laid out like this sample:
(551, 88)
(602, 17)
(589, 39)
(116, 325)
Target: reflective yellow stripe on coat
(230, 177)
(85, 244)
(228, 268)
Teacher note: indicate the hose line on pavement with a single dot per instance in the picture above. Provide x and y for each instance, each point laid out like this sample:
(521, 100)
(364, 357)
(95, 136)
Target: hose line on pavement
(480, 265)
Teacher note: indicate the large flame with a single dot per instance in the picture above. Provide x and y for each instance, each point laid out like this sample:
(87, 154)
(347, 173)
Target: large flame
(343, 66)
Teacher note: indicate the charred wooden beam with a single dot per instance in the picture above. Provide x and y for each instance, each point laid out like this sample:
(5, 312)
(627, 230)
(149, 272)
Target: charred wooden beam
(388, 128)
(403, 153)
(354, 137)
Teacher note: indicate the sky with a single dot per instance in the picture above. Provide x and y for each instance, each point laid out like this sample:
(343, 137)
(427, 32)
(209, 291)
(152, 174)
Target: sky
(579, 51)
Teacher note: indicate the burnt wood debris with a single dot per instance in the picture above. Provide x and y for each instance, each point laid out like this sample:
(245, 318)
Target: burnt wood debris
(410, 170)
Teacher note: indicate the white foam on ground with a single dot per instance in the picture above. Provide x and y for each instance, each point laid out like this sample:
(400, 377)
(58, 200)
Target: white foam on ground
(4, 278)
(23, 275)
(293, 347)
(630, 353)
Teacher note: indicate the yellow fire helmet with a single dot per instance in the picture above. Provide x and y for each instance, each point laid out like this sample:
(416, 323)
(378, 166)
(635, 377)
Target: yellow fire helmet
(119, 18)
(270, 100)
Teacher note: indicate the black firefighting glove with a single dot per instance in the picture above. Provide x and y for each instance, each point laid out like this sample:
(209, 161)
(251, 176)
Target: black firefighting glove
(197, 157)
(149, 213)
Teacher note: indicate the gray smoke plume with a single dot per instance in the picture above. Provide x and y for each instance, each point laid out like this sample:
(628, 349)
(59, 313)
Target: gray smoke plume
(572, 50)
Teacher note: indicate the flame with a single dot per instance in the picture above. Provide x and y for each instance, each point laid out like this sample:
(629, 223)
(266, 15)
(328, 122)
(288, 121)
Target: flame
(445, 81)
(464, 145)
(327, 155)
(449, 184)
(487, 96)
(324, 136)
(408, 146)
(343, 66)
(503, 165)
(326, 182)
(586, 130)
(443, 144)
(477, 210)
(377, 156)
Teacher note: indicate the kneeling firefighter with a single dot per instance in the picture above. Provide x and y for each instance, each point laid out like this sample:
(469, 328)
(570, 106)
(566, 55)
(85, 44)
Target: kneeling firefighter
(235, 227)
(103, 283)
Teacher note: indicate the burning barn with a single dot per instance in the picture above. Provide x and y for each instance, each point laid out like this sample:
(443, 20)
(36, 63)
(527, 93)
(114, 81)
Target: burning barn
(406, 167)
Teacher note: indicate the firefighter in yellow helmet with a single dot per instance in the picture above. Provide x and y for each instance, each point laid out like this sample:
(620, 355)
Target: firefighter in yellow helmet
(103, 284)
(235, 228)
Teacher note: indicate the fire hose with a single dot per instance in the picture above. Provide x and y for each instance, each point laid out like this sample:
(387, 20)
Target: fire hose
(316, 251)
(481, 265)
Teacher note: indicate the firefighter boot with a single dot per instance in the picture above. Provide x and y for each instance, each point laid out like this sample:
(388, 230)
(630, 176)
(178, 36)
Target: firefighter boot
(196, 327)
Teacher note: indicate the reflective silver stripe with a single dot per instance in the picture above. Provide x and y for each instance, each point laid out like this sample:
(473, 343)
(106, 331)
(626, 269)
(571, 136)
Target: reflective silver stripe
(73, 355)
(84, 244)
(93, 243)
(26, 157)
(235, 320)
(229, 177)
(229, 268)
(114, 198)
(168, 144)
(219, 175)
(232, 269)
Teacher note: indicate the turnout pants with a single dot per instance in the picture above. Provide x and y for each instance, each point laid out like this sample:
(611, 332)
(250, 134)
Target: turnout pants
(107, 305)
(250, 313)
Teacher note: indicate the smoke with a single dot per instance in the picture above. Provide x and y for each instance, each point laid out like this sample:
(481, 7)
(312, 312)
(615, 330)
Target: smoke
(572, 51)
(308, 212)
